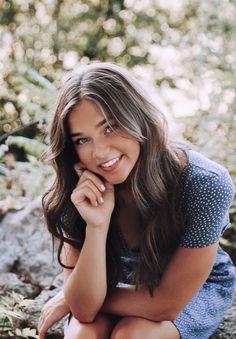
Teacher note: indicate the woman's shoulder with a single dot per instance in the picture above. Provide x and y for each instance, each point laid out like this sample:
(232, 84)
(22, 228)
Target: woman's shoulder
(201, 170)
(206, 197)
(198, 164)
(205, 180)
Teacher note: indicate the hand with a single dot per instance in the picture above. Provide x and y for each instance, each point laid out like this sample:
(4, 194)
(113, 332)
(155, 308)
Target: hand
(93, 198)
(53, 311)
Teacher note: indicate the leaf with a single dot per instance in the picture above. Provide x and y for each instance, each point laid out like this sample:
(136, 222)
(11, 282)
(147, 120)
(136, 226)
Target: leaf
(4, 170)
(17, 297)
(26, 303)
(30, 146)
(18, 332)
(11, 334)
(29, 332)
(11, 313)
(38, 78)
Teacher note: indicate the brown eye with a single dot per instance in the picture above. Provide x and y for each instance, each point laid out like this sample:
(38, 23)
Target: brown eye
(81, 141)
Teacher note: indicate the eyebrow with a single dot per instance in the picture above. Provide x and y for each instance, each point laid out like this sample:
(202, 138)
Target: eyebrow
(99, 124)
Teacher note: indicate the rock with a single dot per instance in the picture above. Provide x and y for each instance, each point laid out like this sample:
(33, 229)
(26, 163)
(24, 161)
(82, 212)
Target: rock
(227, 329)
(10, 282)
(26, 267)
(32, 312)
(25, 245)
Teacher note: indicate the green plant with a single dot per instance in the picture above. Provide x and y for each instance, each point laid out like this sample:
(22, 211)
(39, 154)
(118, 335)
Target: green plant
(12, 307)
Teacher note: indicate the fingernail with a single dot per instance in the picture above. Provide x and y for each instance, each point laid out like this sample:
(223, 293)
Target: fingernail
(101, 200)
(102, 188)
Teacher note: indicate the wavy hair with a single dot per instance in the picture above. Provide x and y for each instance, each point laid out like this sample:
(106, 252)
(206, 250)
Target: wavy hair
(155, 181)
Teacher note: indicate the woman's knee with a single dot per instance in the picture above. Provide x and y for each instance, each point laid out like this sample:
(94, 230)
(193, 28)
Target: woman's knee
(77, 330)
(139, 328)
(99, 329)
(124, 329)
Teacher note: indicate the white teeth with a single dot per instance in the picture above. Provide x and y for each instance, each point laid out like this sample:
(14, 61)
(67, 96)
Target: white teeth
(110, 163)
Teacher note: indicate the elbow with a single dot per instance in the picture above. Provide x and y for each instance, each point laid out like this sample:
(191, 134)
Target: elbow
(83, 315)
(166, 315)
(84, 318)
(83, 311)
(79, 313)
(173, 316)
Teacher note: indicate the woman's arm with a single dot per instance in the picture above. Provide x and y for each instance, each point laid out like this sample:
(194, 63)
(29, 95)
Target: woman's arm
(57, 308)
(184, 276)
(86, 287)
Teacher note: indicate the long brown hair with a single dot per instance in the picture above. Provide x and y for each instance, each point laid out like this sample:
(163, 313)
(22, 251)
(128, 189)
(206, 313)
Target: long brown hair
(155, 180)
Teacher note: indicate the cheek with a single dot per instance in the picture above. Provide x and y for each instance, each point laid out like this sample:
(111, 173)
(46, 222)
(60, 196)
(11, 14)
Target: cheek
(136, 150)
(83, 155)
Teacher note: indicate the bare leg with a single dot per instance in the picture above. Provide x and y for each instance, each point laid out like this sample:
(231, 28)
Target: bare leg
(139, 328)
(101, 328)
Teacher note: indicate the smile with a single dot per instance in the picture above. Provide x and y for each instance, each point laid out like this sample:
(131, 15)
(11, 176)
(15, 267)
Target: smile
(110, 163)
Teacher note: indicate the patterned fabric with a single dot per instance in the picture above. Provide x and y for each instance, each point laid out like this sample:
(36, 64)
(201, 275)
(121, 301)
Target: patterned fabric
(206, 197)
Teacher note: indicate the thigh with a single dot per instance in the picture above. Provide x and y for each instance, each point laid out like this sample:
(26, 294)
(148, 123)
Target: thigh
(139, 328)
(100, 328)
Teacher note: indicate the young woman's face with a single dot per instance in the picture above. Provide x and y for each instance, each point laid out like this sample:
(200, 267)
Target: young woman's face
(101, 147)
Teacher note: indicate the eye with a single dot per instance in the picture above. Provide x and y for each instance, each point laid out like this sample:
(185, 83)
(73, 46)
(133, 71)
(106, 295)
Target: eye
(110, 128)
(81, 141)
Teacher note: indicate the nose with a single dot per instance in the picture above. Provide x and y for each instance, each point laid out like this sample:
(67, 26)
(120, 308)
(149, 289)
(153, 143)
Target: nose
(100, 150)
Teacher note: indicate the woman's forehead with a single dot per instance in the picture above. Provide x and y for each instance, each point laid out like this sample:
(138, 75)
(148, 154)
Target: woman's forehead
(85, 116)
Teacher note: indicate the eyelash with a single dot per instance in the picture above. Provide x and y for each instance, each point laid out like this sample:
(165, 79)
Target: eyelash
(111, 127)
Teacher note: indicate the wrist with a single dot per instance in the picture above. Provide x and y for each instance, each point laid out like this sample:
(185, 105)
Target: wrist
(100, 232)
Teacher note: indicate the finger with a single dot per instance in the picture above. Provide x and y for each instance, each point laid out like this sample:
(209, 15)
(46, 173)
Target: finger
(41, 335)
(90, 184)
(82, 195)
(94, 178)
(46, 324)
(41, 320)
(42, 332)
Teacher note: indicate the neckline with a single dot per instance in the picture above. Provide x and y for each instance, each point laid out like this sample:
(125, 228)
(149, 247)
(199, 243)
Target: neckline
(125, 245)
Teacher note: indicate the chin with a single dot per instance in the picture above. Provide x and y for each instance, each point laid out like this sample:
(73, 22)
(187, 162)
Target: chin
(118, 181)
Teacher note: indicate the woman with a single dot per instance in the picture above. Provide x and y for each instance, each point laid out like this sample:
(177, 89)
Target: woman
(130, 205)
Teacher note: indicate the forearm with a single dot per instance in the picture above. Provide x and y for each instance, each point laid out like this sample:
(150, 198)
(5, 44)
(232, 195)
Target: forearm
(182, 279)
(128, 302)
(86, 287)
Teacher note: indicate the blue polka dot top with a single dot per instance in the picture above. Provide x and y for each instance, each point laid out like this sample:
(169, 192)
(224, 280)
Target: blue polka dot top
(207, 195)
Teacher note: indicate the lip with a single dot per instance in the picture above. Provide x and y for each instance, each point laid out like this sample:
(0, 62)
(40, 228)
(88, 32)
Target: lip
(112, 167)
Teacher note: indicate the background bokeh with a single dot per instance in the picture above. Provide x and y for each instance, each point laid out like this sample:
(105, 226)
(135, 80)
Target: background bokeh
(185, 50)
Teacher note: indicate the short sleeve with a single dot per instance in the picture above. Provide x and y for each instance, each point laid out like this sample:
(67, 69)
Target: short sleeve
(206, 203)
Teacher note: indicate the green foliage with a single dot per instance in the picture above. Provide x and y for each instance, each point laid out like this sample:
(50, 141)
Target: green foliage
(30, 146)
(12, 307)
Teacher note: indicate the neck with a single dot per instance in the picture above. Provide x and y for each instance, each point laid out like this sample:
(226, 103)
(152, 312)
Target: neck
(124, 194)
